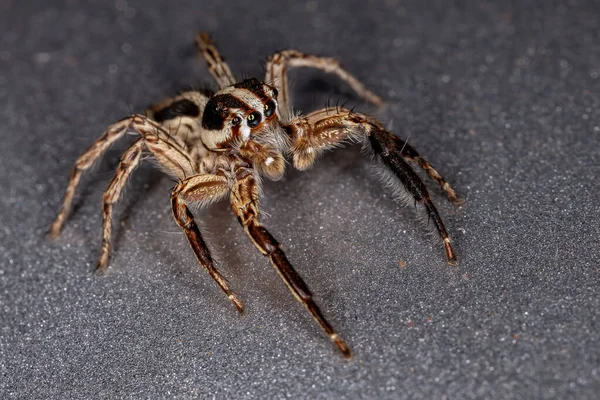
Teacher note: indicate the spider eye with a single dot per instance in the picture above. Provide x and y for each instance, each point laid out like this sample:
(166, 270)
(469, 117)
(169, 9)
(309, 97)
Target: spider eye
(275, 92)
(269, 108)
(254, 119)
(236, 121)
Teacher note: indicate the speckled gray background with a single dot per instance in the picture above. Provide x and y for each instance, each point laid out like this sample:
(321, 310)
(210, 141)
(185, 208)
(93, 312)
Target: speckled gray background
(503, 98)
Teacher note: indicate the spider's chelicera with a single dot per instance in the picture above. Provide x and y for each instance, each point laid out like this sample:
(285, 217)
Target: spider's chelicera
(221, 144)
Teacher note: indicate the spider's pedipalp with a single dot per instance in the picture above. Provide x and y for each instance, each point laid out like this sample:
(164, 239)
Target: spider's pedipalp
(244, 200)
(277, 68)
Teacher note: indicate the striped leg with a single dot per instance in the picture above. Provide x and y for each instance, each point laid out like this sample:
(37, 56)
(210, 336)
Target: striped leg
(202, 189)
(85, 162)
(279, 63)
(129, 161)
(216, 64)
(325, 129)
(244, 199)
(409, 153)
(169, 156)
(176, 161)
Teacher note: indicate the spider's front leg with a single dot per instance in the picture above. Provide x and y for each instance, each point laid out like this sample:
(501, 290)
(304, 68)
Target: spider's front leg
(202, 189)
(244, 200)
(324, 129)
(277, 68)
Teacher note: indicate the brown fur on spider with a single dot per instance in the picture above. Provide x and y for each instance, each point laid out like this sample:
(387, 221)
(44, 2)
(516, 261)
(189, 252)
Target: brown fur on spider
(219, 145)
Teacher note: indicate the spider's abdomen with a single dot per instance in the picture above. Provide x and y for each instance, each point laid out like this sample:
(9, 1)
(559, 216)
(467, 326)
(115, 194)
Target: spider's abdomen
(179, 108)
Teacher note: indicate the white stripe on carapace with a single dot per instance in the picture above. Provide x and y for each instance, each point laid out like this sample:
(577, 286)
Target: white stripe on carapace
(251, 100)
(246, 96)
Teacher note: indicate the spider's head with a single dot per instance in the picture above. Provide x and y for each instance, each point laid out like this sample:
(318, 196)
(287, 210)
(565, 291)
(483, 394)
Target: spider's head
(239, 112)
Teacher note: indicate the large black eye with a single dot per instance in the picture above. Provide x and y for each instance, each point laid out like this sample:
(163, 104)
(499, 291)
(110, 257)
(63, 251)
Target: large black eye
(236, 121)
(275, 92)
(269, 108)
(254, 119)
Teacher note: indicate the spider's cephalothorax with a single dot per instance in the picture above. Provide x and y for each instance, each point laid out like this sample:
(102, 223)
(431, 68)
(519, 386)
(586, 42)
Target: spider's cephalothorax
(220, 144)
(242, 119)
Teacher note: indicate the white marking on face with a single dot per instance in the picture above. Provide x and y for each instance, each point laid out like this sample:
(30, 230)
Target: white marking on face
(310, 150)
(245, 130)
(269, 160)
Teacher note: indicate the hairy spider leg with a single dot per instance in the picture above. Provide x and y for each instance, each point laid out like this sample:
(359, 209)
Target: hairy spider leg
(129, 161)
(169, 154)
(216, 63)
(278, 65)
(96, 150)
(201, 189)
(327, 128)
(409, 153)
(244, 200)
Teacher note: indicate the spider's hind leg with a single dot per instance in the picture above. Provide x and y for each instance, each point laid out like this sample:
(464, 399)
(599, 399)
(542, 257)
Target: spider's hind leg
(129, 161)
(83, 163)
(216, 63)
(277, 68)
(168, 153)
(166, 149)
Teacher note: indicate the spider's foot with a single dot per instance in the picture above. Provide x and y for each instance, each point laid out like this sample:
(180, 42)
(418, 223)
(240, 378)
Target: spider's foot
(102, 264)
(341, 345)
(236, 302)
(456, 199)
(55, 228)
(100, 270)
(450, 255)
(451, 193)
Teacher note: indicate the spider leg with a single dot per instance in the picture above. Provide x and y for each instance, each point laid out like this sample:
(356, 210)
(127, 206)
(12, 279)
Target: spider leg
(327, 128)
(244, 200)
(177, 161)
(201, 189)
(83, 163)
(129, 161)
(169, 156)
(385, 145)
(277, 67)
(409, 153)
(216, 64)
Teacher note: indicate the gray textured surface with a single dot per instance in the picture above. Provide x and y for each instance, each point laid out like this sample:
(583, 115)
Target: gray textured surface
(503, 99)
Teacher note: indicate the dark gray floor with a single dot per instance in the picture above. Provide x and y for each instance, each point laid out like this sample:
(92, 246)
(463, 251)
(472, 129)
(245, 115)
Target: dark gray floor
(503, 99)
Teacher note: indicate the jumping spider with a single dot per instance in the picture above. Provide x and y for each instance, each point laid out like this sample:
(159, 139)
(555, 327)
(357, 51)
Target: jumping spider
(220, 144)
